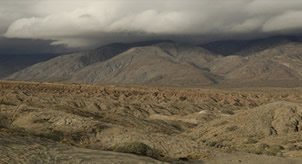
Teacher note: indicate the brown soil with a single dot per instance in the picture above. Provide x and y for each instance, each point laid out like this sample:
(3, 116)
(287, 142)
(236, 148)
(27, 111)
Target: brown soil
(53, 122)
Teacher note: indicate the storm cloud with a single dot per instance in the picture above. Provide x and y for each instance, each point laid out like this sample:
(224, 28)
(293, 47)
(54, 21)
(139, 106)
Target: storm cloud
(82, 23)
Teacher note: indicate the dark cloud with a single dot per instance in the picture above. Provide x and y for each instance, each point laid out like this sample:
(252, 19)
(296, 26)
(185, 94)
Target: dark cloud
(82, 23)
(30, 47)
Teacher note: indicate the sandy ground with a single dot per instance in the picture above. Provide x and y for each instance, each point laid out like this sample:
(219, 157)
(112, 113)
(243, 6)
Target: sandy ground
(28, 149)
(52, 122)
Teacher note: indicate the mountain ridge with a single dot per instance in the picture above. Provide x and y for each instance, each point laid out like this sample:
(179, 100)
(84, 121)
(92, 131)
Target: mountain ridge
(168, 63)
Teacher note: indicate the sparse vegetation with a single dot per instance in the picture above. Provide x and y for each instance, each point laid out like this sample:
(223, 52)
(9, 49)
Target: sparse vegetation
(53, 135)
(179, 130)
(263, 146)
(211, 143)
(5, 101)
(182, 98)
(3, 120)
(232, 128)
(294, 147)
(256, 151)
(214, 144)
(250, 141)
(221, 123)
(137, 148)
(193, 156)
(229, 112)
(276, 148)
(267, 149)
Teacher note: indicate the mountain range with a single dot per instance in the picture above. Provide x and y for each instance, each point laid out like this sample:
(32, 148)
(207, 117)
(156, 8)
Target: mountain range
(11, 63)
(274, 61)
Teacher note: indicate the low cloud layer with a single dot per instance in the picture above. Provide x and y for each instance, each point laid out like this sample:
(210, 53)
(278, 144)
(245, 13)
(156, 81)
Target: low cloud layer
(82, 23)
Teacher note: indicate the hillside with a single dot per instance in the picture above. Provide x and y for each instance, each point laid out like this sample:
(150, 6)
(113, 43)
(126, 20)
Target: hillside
(276, 62)
(159, 64)
(12, 63)
(86, 123)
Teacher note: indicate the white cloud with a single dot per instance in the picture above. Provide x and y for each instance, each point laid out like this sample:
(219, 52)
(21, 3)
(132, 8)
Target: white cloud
(11, 11)
(267, 8)
(249, 25)
(82, 23)
(287, 21)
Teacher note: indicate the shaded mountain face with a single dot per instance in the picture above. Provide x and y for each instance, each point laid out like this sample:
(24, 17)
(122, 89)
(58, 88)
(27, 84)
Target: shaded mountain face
(167, 63)
(248, 47)
(161, 63)
(12, 63)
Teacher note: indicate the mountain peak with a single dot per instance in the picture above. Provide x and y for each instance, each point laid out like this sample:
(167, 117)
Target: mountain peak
(168, 63)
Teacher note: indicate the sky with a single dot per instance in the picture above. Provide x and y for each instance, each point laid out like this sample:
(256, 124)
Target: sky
(82, 24)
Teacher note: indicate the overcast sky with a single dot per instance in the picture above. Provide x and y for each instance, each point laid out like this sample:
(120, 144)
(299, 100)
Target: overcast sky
(88, 23)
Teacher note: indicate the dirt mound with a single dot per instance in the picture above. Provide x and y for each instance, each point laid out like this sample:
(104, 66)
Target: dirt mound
(287, 118)
(267, 129)
(177, 123)
(28, 149)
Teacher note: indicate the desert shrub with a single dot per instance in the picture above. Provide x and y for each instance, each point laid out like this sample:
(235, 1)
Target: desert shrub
(263, 146)
(137, 148)
(294, 147)
(274, 150)
(220, 123)
(3, 121)
(49, 134)
(55, 135)
(256, 151)
(214, 144)
(183, 159)
(41, 121)
(276, 147)
(194, 156)
(267, 150)
(271, 153)
(262, 151)
(232, 128)
(211, 143)
(182, 98)
(231, 150)
(250, 141)
(5, 101)
(227, 111)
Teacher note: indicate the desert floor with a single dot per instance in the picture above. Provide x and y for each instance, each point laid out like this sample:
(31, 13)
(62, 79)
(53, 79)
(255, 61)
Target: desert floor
(79, 123)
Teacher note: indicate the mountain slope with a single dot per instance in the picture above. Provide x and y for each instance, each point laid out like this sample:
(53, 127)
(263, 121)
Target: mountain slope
(145, 65)
(282, 62)
(164, 63)
(172, 64)
(62, 68)
(12, 63)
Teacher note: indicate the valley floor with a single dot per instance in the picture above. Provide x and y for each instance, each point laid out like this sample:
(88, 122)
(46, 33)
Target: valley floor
(79, 123)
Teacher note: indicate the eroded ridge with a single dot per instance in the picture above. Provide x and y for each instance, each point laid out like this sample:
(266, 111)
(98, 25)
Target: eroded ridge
(175, 123)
